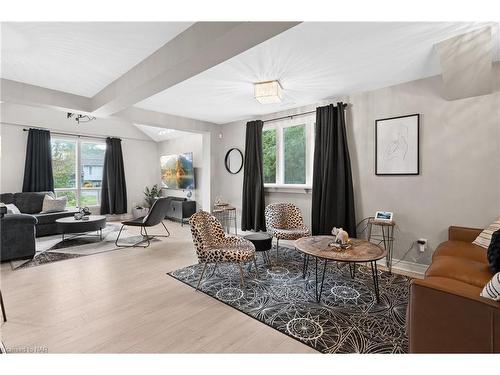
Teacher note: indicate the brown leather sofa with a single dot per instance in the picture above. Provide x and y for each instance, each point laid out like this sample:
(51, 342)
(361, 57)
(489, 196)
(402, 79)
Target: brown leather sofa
(446, 314)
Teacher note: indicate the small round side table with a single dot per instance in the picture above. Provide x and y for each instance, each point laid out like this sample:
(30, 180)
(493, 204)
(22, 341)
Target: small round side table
(387, 228)
(263, 242)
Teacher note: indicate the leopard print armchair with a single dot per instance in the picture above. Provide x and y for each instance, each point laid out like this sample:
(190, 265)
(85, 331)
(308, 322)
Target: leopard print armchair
(214, 246)
(284, 221)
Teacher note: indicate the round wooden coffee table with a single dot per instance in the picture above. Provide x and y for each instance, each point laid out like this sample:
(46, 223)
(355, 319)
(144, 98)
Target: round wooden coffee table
(361, 251)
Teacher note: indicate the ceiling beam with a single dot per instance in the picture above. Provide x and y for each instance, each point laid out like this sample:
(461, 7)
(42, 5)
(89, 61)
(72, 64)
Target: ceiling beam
(200, 47)
(23, 93)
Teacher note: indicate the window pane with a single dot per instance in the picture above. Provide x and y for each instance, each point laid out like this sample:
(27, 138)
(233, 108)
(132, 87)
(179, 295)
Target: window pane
(64, 163)
(294, 139)
(92, 161)
(70, 195)
(269, 151)
(91, 197)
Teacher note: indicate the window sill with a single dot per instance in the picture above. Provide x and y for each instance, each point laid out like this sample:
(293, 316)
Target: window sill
(291, 189)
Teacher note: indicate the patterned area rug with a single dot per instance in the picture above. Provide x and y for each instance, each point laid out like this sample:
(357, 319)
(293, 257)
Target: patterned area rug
(348, 319)
(52, 249)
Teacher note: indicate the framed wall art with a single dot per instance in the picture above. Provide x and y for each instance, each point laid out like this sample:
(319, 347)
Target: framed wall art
(397, 145)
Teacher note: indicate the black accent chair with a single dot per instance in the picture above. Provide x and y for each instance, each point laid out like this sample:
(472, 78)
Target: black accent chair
(154, 217)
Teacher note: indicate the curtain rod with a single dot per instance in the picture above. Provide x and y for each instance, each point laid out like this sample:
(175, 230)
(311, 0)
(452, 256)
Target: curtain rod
(71, 134)
(292, 116)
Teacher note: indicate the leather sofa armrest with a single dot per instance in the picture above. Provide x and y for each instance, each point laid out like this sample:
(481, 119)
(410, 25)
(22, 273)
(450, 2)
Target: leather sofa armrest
(447, 316)
(465, 234)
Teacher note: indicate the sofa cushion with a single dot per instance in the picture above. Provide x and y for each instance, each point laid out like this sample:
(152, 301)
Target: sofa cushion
(493, 252)
(461, 269)
(51, 204)
(51, 217)
(461, 249)
(484, 237)
(7, 198)
(30, 203)
(492, 289)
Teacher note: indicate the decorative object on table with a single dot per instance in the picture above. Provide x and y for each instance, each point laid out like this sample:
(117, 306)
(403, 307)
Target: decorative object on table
(78, 216)
(387, 238)
(155, 216)
(189, 194)
(341, 236)
(152, 194)
(285, 222)
(397, 145)
(177, 171)
(234, 161)
(385, 216)
(226, 215)
(213, 246)
(347, 320)
(361, 251)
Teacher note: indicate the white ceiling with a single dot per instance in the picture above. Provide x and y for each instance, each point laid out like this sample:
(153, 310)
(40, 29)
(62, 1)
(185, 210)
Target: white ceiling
(313, 62)
(161, 134)
(79, 57)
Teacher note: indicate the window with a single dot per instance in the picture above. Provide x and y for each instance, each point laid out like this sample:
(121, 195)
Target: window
(287, 152)
(73, 157)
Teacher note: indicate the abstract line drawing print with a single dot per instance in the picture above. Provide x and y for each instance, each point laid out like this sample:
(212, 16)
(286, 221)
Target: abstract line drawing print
(397, 148)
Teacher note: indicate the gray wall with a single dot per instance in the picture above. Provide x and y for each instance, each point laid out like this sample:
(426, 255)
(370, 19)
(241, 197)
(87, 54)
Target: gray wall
(460, 162)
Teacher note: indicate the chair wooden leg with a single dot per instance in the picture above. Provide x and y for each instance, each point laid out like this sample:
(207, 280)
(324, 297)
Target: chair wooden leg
(201, 277)
(241, 275)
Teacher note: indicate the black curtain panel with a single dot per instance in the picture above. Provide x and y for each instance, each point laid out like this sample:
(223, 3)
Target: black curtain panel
(38, 165)
(114, 188)
(332, 191)
(253, 205)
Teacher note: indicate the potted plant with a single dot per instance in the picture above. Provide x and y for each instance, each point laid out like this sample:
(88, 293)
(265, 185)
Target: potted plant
(152, 194)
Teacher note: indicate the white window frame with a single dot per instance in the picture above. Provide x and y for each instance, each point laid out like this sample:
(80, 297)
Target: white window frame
(279, 126)
(78, 189)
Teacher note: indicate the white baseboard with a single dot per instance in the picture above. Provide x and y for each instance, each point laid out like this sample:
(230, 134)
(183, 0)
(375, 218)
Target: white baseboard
(403, 265)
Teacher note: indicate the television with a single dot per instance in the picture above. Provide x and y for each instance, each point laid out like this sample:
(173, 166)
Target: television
(177, 171)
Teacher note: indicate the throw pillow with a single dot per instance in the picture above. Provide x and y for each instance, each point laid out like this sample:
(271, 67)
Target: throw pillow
(492, 289)
(53, 204)
(494, 252)
(484, 237)
(12, 209)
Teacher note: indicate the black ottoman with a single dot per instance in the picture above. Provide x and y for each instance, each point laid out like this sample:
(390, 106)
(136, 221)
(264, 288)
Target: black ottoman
(262, 242)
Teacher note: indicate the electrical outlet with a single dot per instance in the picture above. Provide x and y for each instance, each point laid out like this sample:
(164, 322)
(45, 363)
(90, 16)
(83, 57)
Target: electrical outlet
(422, 242)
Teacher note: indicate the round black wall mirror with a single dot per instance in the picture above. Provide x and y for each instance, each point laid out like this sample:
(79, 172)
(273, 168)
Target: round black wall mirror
(234, 161)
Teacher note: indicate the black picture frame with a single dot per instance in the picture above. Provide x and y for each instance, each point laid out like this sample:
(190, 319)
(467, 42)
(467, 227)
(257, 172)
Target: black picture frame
(226, 160)
(378, 122)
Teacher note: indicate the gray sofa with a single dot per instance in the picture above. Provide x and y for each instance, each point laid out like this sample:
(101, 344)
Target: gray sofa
(31, 204)
(17, 237)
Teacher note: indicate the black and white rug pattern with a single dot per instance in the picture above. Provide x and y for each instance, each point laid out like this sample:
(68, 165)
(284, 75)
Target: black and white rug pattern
(51, 249)
(348, 319)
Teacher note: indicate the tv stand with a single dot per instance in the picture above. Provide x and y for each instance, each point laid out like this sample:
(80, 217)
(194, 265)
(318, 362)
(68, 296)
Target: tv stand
(180, 209)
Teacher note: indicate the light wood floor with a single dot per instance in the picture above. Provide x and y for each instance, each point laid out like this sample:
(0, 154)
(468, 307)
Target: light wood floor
(123, 302)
